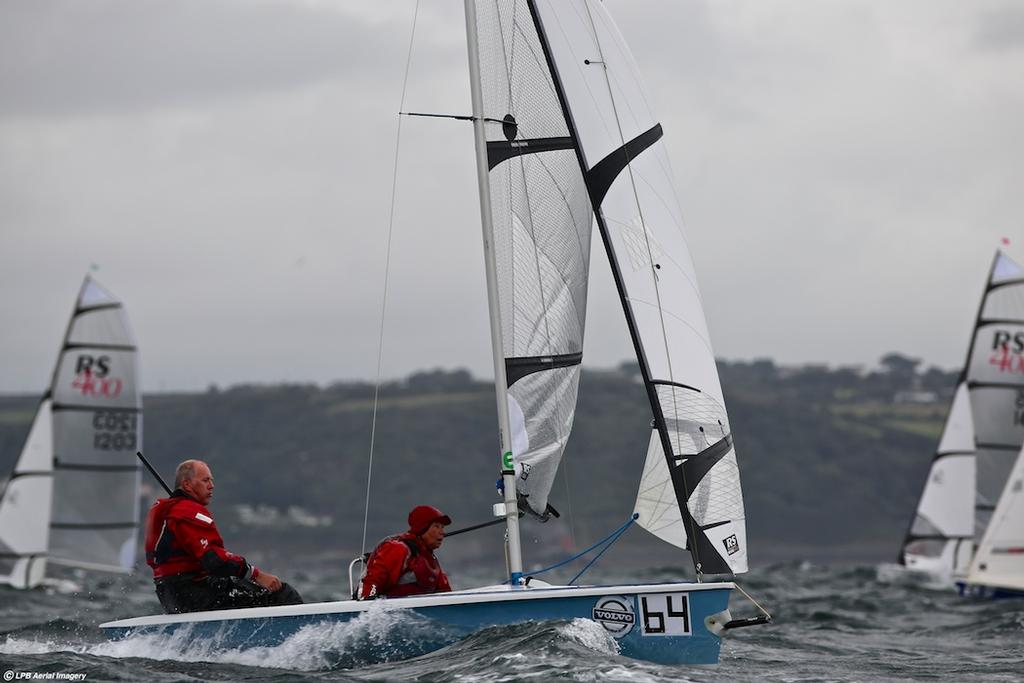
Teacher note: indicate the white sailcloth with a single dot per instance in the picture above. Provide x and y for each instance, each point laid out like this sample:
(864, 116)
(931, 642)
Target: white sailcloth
(80, 456)
(542, 220)
(995, 375)
(25, 506)
(633, 195)
(941, 536)
(999, 561)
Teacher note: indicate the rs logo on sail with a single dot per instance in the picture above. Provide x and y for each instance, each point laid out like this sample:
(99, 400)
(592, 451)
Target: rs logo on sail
(1008, 351)
(91, 377)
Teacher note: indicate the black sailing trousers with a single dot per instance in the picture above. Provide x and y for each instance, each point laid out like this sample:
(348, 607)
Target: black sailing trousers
(183, 593)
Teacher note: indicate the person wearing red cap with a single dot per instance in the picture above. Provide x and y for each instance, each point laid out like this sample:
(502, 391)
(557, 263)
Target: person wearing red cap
(192, 569)
(405, 564)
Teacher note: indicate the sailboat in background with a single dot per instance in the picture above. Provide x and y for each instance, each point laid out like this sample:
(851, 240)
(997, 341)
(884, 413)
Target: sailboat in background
(998, 567)
(983, 433)
(565, 141)
(72, 498)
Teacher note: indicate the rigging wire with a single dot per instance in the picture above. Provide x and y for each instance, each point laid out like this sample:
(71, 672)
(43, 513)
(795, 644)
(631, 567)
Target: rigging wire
(387, 275)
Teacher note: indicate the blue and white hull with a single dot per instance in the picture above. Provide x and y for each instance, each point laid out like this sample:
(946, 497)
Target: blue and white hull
(983, 592)
(672, 623)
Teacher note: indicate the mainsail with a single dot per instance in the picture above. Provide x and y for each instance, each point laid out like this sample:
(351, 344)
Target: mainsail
(999, 561)
(541, 223)
(995, 377)
(983, 432)
(73, 497)
(567, 91)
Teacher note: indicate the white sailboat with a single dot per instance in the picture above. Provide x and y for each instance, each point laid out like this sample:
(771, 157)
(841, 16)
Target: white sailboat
(72, 498)
(998, 567)
(983, 433)
(565, 141)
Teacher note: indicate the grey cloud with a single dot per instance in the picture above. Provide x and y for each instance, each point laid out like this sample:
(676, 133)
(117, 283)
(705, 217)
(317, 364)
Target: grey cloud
(65, 58)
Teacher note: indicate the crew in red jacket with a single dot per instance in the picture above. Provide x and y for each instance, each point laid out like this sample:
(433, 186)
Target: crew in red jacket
(405, 564)
(191, 568)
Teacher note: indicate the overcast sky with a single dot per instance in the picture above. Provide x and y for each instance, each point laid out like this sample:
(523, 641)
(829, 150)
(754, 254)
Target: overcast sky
(846, 169)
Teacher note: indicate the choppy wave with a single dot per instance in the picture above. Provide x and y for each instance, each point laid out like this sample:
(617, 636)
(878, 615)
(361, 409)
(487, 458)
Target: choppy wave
(830, 623)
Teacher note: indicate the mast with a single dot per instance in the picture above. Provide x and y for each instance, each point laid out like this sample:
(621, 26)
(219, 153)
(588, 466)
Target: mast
(515, 559)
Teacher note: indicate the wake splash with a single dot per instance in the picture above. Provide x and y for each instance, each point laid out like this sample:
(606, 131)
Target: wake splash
(380, 635)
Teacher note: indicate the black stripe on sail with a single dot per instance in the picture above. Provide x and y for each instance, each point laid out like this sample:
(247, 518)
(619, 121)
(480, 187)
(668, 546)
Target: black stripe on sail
(80, 526)
(100, 347)
(84, 467)
(521, 366)
(998, 447)
(93, 409)
(503, 150)
(604, 173)
(1006, 283)
(97, 307)
(996, 385)
(947, 454)
(985, 507)
(1000, 321)
(695, 467)
(18, 556)
(666, 383)
(933, 537)
(30, 473)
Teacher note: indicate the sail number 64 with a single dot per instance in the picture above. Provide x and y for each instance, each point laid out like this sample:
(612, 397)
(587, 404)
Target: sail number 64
(665, 614)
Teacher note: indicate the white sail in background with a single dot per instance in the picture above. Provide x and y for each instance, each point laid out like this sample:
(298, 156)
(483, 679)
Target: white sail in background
(983, 432)
(632, 192)
(999, 562)
(941, 537)
(25, 507)
(80, 456)
(995, 376)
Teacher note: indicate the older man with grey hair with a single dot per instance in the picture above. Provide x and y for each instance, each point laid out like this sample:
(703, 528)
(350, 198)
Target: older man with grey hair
(192, 569)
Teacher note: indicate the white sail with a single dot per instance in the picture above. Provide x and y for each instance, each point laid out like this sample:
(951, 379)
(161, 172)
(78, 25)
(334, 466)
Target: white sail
(97, 428)
(633, 196)
(541, 222)
(73, 497)
(999, 561)
(25, 507)
(941, 537)
(995, 376)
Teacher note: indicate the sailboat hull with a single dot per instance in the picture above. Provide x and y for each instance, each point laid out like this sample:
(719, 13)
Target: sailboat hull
(982, 592)
(663, 623)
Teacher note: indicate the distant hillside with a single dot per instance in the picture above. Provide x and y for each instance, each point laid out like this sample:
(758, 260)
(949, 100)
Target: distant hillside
(831, 463)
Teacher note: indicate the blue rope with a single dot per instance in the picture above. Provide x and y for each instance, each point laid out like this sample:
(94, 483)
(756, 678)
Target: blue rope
(610, 539)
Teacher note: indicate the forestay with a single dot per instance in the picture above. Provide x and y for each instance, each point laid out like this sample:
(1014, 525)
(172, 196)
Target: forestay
(73, 498)
(999, 561)
(691, 489)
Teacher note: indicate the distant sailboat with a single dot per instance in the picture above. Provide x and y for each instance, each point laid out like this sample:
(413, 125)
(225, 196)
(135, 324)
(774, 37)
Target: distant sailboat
(983, 432)
(72, 498)
(998, 567)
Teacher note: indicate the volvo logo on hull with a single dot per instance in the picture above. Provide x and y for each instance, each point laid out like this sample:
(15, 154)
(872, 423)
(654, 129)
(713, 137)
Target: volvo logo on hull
(615, 613)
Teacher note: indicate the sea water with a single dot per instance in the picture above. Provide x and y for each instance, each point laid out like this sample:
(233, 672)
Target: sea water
(831, 623)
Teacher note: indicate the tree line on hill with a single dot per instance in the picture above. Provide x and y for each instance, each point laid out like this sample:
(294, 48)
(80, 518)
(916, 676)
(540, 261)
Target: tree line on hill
(832, 460)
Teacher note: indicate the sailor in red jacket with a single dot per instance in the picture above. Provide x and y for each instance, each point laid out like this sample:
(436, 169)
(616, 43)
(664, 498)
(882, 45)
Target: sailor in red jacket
(191, 568)
(405, 564)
